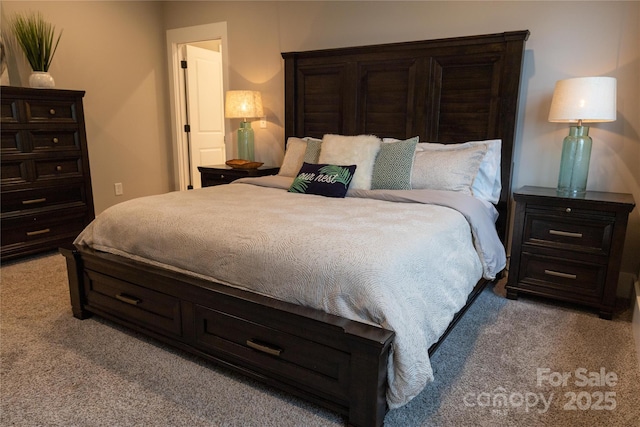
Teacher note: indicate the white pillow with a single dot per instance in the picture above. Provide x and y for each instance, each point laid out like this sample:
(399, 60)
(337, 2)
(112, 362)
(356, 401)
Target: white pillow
(488, 183)
(358, 150)
(293, 157)
(451, 170)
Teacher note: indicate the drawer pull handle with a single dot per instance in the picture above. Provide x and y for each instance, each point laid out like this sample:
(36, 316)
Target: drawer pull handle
(59, 168)
(565, 233)
(568, 210)
(265, 348)
(128, 299)
(52, 112)
(559, 274)
(33, 201)
(38, 232)
(55, 140)
(221, 176)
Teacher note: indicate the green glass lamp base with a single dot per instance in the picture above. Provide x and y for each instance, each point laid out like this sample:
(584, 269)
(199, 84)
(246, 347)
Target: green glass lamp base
(574, 164)
(245, 141)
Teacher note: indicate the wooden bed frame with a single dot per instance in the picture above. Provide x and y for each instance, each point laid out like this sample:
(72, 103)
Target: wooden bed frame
(449, 90)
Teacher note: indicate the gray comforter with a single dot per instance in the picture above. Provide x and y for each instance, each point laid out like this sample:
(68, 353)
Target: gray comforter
(406, 265)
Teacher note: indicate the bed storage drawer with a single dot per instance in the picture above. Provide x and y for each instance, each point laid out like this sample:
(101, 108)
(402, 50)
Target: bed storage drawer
(153, 310)
(273, 351)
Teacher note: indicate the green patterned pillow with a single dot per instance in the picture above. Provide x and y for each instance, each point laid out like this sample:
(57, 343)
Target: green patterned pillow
(392, 169)
(312, 153)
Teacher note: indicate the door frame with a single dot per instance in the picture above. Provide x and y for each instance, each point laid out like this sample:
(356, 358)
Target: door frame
(175, 38)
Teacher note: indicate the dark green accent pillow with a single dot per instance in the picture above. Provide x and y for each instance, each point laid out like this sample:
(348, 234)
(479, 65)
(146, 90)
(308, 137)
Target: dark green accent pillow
(323, 180)
(392, 169)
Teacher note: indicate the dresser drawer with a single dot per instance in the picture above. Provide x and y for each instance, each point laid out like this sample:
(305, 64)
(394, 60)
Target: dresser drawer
(52, 111)
(13, 141)
(9, 111)
(65, 167)
(276, 352)
(14, 170)
(50, 225)
(54, 140)
(571, 232)
(151, 309)
(583, 281)
(15, 201)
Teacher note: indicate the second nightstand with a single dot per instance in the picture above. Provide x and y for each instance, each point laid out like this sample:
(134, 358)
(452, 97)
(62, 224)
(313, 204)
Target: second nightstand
(223, 174)
(568, 248)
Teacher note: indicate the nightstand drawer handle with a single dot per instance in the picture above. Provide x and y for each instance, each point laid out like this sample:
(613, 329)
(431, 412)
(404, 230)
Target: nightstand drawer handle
(32, 201)
(128, 299)
(559, 274)
(565, 233)
(38, 232)
(265, 348)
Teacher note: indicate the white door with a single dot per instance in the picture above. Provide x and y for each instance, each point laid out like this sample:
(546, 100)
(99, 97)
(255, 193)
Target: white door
(205, 109)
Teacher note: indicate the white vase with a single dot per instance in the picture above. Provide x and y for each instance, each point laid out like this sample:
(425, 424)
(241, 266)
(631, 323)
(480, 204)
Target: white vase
(41, 79)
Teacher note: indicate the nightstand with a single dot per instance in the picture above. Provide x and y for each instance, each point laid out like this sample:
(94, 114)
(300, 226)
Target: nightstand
(223, 174)
(568, 248)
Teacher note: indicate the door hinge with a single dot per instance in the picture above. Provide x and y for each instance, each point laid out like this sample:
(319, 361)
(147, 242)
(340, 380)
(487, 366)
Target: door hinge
(183, 64)
(187, 128)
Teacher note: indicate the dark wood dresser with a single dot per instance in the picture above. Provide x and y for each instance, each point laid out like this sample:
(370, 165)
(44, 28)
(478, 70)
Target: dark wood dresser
(46, 185)
(223, 174)
(568, 248)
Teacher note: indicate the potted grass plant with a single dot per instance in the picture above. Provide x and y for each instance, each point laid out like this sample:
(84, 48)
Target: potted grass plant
(38, 41)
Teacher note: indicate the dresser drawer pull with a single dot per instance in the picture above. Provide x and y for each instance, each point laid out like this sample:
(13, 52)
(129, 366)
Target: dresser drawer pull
(559, 274)
(55, 140)
(565, 233)
(59, 168)
(52, 112)
(128, 299)
(33, 201)
(221, 176)
(38, 232)
(265, 348)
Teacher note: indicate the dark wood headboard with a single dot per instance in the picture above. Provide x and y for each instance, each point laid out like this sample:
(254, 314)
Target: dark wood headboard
(447, 90)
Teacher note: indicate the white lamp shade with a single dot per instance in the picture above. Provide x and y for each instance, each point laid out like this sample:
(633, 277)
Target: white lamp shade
(590, 99)
(242, 104)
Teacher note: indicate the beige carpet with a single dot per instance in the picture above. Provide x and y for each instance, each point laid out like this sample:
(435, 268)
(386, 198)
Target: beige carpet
(60, 371)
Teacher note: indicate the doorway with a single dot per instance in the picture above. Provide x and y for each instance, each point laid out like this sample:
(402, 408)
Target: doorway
(189, 151)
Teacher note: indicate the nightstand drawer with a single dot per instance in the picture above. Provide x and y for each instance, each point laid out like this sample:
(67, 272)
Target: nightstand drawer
(219, 178)
(579, 279)
(145, 307)
(222, 174)
(568, 232)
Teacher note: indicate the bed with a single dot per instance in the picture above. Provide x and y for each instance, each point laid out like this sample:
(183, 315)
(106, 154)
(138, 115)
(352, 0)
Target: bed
(286, 306)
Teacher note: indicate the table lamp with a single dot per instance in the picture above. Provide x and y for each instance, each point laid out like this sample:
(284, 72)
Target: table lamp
(580, 100)
(244, 104)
